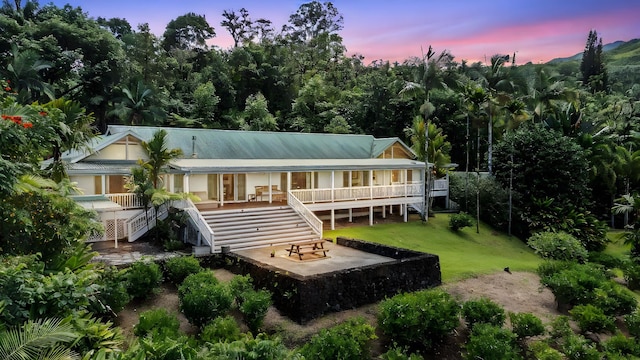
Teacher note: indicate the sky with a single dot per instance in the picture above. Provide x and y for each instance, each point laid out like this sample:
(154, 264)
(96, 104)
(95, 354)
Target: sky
(474, 30)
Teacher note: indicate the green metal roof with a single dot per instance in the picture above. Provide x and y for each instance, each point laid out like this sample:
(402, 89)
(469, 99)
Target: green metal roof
(235, 144)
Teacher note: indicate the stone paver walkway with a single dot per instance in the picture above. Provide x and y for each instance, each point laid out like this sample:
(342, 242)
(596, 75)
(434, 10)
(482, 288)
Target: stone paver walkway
(129, 253)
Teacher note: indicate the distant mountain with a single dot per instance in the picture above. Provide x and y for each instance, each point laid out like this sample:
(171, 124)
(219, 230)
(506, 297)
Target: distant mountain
(606, 48)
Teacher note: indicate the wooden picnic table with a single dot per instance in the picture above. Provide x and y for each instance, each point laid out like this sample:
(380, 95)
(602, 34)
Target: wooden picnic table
(308, 247)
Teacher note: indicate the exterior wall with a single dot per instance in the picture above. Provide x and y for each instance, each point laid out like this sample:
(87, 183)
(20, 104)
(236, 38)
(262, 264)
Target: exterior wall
(86, 183)
(198, 184)
(324, 180)
(120, 152)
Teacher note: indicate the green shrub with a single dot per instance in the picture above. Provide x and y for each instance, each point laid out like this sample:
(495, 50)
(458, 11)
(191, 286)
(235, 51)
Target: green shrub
(632, 321)
(591, 318)
(94, 334)
(221, 329)
(576, 347)
(197, 280)
(575, 286)
(542, 351)
(178, 268)
(254, 308)
(399, 354)
(203, 298)
(526, 325)
(557, 246)
(261, 347)
(157, 322)
(621, 346)
(614, 299)
(349, 340)
(460, 220)
(607, 260)
(240, 284)
(550, 267)
(631, 271)
(419, 319)
(489, 342)
(482, 311)
(113, 295)
(143, 279)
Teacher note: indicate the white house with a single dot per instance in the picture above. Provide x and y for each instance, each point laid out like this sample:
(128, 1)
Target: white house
(329, 175)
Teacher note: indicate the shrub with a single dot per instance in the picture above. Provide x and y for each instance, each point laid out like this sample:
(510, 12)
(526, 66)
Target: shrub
(607, 260)
(349, 340)
(621, 346)
(591, 318)
(490, 342)
(143, 279)
(197, 280)
(254, 308)
(157, 322)
(526, 325)
(399, 354)
(614, 299)
(550, 267)
(632, 321)
(557, 246)
(221, 329)
(460, 220)
(203, 298)
(482, 311)
(240, 284)
(178, 268)
(631, 271)
(417, 319)
(576, 347)
(576, 285)
(113, 295)
(542, 351)
(261, 347)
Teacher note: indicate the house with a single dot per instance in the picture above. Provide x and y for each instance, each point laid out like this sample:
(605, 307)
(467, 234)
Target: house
(309, 175)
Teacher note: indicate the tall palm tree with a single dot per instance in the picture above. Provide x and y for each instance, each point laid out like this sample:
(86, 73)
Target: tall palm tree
(136, 106)
(630, 205)
(159, 155)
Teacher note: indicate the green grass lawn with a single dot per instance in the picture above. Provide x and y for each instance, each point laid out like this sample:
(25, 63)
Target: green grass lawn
(462, 255)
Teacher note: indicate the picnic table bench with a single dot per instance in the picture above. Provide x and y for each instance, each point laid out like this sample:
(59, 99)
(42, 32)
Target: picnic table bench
(308, 247)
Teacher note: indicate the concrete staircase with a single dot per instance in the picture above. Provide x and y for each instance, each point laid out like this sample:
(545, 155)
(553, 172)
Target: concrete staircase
(257, 227)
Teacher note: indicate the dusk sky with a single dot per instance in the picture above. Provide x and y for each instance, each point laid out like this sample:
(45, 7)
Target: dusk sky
(536, 30)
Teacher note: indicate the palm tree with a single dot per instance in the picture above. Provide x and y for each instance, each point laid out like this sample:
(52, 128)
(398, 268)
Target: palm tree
(136, 107)
(159, 155)
(41, 339)
(630, 204)
(24, 73)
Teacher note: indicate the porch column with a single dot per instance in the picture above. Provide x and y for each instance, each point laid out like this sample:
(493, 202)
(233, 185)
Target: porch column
(115, 228)
(288, 180)
(103, 184)
(446, 200)
(333, 188)
(269, 188)
(370, 184)
(221, 189)
(185, 184)
(333, 219)
(370, 215)
(405, 211)
(350, 215)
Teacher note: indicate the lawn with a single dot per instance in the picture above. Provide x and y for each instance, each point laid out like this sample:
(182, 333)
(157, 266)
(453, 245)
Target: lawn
(462, 255)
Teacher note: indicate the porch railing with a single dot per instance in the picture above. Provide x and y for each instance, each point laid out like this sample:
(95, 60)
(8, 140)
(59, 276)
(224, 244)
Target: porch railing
(126, 200)
(358, 193)
(307, 215)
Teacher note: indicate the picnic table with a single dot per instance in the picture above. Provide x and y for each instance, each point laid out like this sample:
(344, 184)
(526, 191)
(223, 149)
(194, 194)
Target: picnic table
(308, 247)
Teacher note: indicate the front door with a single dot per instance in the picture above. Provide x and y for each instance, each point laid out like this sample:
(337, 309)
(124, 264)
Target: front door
(228, 187)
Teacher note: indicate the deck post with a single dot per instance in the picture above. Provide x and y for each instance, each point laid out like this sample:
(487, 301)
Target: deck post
(115, 228)
(370, 215)
(333, 219)
(405, 211)
(333, 188)
(384, 211)
(350, 215)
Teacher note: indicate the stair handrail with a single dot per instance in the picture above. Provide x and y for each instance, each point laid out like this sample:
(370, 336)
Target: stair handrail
(305, 213)
(144, 221)
(206, 232)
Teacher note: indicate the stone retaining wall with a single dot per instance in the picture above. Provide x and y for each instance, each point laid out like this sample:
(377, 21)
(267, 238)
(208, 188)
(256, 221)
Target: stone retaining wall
(303, 298)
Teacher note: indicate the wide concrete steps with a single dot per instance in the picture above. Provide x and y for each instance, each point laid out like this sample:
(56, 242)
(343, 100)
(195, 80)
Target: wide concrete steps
(257, 227)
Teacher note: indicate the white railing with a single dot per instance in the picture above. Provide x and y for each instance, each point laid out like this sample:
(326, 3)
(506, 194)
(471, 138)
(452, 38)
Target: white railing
(440, 184)
(307, 215)
(358, 193)
(126, 200)
(205, 231)
(145, 221)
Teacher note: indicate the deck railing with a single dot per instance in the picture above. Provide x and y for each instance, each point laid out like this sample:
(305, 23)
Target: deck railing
(145, 221)
(126, 200)
(307, 215)
(358, 193)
